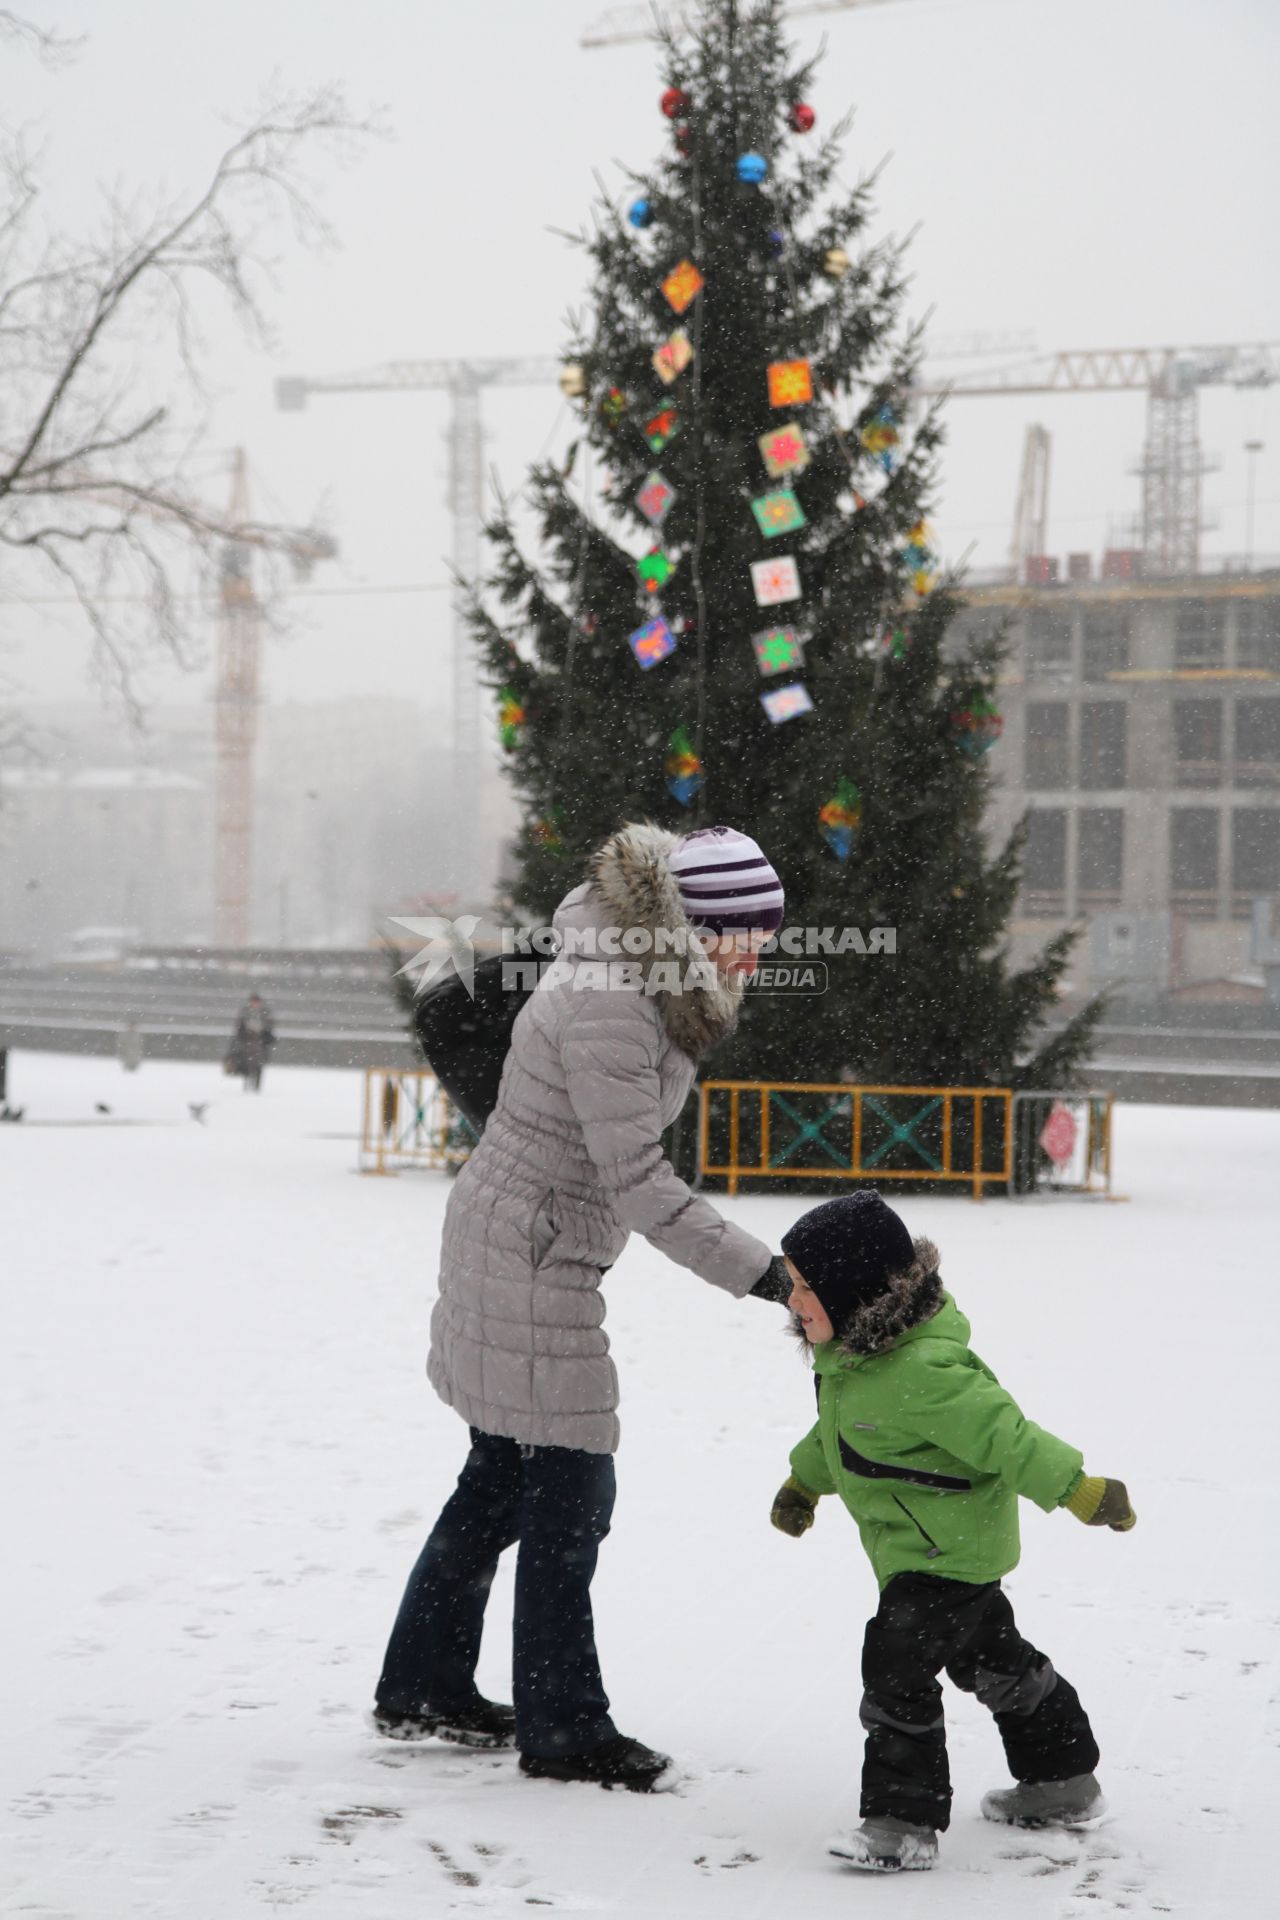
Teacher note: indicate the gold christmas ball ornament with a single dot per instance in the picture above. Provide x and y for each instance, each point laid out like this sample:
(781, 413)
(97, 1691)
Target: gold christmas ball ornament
(573, 381)
(835, 262)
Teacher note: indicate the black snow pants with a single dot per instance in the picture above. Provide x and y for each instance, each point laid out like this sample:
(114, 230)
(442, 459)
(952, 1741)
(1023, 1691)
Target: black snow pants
(926, 1625)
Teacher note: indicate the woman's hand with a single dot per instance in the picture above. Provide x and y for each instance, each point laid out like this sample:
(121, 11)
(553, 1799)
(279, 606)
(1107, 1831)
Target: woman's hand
(774, 1283)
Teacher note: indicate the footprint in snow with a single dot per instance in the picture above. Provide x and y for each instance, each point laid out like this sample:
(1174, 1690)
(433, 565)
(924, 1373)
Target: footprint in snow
(347, 1822)
(491, 1867)
(1112, 1882)
(394, 1522)
(720, 1857)
(204, 1817)
(278, 1893)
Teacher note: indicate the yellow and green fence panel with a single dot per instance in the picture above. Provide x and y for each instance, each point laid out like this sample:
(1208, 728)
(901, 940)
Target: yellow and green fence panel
(807, 1130)
(407, 1120)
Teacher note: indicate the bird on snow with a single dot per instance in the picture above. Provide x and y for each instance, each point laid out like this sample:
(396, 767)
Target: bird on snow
(100, 1106)
(196, 1108)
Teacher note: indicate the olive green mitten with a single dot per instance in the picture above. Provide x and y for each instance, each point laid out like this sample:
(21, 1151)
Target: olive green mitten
(1101, 1503)
(793, 1508)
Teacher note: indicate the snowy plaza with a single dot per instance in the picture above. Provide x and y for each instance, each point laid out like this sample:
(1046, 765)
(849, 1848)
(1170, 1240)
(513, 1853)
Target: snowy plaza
(639, 960)
(223, 1457)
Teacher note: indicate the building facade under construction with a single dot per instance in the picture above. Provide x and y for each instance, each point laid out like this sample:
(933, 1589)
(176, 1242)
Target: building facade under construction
(1142, 736)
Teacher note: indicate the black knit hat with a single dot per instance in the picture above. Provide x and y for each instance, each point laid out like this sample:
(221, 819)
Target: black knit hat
(847, 1251)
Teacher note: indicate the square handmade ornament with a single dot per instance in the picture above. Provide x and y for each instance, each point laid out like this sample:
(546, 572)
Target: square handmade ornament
(978, 725)
(841, 818)
(673, 356)
(661, 429)
(786, 703)
(683, 285)
(778, 649)
(778, 512)
(652, 642)
(880, 437)
(920, 558)
(790, 383)
(784, 450)
(654, 570)
(683, 768)
(511, 718)
(546, 832)
(775, 580)
(656, 499)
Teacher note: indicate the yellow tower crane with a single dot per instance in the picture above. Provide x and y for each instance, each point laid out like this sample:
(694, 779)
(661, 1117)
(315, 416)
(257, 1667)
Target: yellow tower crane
(236, 701)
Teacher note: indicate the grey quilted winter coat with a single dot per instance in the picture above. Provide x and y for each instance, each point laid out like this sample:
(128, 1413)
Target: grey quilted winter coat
(569, 1166)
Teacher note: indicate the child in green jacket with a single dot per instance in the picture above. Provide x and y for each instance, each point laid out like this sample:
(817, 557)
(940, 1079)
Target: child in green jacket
(930, 1454)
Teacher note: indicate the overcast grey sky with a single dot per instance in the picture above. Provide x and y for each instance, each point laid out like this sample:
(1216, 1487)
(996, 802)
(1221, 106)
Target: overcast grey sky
(1098, 172)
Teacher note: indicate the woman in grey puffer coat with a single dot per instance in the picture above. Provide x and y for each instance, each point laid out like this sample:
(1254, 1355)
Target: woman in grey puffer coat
(602, 1059)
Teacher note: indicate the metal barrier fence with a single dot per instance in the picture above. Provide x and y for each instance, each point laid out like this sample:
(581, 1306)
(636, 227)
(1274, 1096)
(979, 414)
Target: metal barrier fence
(961, 1135)
(1036, 1140)
(407, 1121)
(1062, 1142)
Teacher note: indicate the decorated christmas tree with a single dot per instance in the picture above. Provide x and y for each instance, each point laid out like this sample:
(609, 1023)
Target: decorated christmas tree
(737, 615)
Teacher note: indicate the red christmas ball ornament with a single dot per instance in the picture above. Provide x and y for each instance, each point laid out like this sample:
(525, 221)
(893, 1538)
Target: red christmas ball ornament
(684, 138)
(674, 102)
(802, 117)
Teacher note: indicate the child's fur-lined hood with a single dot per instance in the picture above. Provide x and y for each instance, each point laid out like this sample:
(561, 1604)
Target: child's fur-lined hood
(629, 884)
(913, 1296)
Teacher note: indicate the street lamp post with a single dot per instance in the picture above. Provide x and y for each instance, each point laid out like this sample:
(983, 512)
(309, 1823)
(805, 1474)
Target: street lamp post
(1253, 448)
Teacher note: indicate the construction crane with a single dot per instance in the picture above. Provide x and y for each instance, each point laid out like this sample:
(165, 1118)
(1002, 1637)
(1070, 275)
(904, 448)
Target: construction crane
(1031, 516)
(622, 25)
(238, 658)
(1172, 466)
(236, 724)
(464, 381)
(236, 701)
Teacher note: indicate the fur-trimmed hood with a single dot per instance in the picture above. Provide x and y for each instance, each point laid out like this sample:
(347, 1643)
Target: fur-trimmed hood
(913, 1296)
(629, 884)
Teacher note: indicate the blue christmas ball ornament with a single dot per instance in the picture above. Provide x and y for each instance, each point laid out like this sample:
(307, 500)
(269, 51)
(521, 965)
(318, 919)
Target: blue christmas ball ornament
(777, 241)
(640, 213)
(752, 167)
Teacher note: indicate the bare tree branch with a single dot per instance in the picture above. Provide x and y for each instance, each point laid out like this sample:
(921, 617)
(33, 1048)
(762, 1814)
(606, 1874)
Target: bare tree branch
(52, 48)
(101, 357)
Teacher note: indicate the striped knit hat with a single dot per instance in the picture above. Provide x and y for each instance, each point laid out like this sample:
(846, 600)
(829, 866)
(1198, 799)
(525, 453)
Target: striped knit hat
(725, 881)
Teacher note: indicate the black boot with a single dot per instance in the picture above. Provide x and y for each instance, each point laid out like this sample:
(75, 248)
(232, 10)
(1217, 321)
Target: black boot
(482, 1724)
(615, 1763)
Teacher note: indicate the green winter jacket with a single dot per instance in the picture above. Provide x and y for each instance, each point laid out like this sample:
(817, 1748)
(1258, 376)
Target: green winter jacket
(929, 1453)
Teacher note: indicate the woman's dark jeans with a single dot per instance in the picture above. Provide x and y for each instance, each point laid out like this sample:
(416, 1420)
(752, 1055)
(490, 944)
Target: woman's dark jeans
(557, 1502)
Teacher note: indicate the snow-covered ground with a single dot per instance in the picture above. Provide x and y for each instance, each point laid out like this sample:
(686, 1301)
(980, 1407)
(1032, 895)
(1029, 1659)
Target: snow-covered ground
(223, 1456)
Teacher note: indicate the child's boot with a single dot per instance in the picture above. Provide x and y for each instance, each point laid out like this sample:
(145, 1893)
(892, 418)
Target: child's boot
(884, 1845)
(1046, 1803)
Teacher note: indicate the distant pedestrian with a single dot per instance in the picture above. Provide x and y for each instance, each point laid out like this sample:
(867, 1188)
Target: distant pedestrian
(251, 1043)
(129, 1048)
